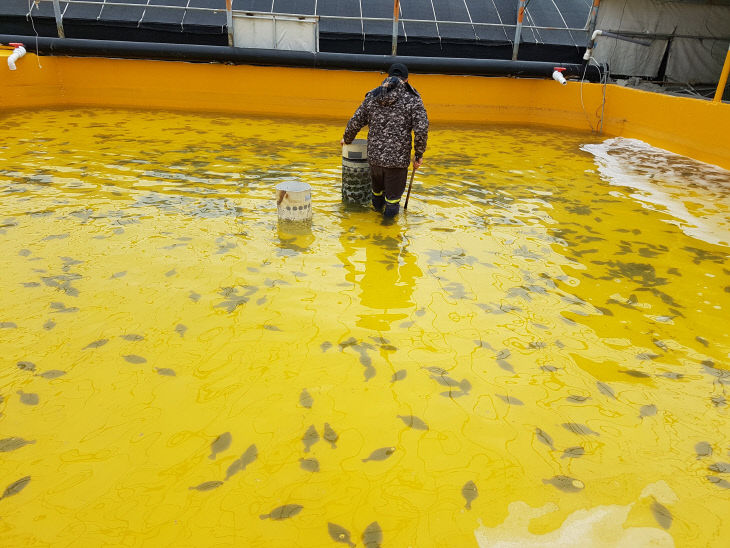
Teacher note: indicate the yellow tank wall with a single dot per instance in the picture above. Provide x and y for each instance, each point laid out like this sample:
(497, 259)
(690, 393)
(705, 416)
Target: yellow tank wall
(683, 125)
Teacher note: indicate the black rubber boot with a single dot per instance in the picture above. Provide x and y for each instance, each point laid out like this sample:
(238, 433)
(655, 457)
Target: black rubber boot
(378, 202)
(391, 210)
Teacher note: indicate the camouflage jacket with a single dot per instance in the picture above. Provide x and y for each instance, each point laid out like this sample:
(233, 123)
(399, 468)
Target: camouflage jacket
(391, 111)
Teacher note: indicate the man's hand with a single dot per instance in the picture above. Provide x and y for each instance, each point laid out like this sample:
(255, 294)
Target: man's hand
(417, 163)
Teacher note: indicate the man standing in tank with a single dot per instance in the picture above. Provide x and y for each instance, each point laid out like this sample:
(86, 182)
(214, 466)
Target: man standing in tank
(392, 111)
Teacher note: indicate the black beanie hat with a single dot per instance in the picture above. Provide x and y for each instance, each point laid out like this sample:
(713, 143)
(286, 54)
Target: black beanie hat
(399, 70)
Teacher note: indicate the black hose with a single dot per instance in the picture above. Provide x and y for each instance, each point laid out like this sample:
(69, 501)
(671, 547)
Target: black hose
(75, 47)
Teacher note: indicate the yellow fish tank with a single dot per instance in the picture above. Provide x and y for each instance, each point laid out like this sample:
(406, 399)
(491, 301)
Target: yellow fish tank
(535, 353)
(537, 345)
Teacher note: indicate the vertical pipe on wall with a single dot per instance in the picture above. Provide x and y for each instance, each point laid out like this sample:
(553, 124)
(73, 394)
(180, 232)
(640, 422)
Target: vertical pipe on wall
(593, 17)
(273, 25)
(723, 77)
(518, 29)
(229, 21)
(59, 19)
(396, 7)
(591, 29)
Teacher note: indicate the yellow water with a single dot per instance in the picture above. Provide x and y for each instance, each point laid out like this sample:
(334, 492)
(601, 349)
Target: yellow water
(523, 304)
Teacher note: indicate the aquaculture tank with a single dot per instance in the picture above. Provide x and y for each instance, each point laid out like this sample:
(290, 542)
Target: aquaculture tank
(535, 353)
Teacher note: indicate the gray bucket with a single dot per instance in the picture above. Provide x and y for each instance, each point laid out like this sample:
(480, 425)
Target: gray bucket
(356, 180)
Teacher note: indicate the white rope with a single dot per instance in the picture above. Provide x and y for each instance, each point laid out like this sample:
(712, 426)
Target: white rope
(501, 22)
(604, 81)
(182, 21)
(144, 12)
(474, 30)
(565, 23)
(582, 104)
(31, 4)
(604, 78)
(433, 9)
(532, 23)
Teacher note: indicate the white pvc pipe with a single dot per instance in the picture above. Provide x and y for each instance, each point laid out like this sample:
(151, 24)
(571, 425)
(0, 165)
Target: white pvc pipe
(17, 54)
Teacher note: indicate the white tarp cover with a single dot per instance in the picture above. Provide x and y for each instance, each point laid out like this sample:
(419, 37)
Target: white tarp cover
(691, 60)
(281, 32)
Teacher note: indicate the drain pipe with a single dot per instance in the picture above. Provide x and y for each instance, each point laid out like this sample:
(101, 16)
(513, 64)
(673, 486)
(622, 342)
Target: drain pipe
(596, 33)
(593, 16)
(18, 52)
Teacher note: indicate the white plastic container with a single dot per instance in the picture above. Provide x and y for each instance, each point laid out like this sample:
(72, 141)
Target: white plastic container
(294, 201)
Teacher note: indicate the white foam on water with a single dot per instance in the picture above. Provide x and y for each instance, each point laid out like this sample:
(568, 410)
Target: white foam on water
(661, 492)
(598, 527)
(696, 195)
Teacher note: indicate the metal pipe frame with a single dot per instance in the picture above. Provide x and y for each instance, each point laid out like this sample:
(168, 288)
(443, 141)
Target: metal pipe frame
(592, 18)
(229, 21)
(59, 19)
(396, 12)
(270, 16)
(657, 36)
(330, 17)
(518, 29)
